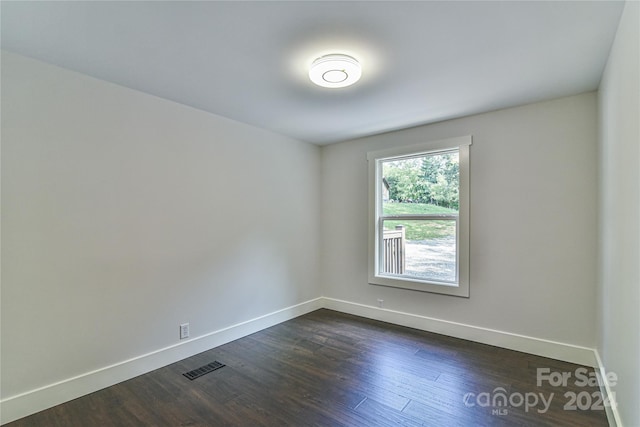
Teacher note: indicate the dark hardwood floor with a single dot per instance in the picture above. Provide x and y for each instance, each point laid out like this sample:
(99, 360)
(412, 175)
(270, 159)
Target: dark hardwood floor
(331, 369)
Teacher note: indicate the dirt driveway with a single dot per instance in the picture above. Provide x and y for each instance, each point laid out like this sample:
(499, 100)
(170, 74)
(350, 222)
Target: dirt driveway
(433, 259)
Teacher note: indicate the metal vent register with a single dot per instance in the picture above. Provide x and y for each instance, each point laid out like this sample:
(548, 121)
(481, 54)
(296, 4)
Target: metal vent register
(198, 372)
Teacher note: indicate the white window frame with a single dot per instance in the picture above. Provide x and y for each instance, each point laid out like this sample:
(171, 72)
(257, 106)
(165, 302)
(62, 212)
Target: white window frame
(375, 158)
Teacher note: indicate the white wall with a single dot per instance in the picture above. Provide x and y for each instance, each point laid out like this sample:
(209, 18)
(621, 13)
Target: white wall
(533, 222)
(619, 95)
(124, 215)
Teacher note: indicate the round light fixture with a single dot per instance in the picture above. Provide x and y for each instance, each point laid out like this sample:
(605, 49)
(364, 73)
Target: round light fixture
(335, 70)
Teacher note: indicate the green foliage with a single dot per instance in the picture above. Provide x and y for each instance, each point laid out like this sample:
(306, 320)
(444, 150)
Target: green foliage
(392, 208)
(404, 179)
(423, 185)
(424, 230)
(432, 179)
(420, 230)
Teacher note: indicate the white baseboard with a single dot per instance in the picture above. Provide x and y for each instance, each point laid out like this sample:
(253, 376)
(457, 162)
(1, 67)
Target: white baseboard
(613, 415)
(552, 349)
(22, 405)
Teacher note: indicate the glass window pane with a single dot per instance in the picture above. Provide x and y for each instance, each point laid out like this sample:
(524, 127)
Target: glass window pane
(427, 184)
(422, 249)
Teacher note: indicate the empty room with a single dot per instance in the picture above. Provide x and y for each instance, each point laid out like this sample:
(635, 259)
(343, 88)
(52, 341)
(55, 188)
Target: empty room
(320, 213)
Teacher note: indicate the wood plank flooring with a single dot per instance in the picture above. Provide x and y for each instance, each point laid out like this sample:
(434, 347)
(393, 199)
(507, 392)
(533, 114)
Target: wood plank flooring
(332, 369)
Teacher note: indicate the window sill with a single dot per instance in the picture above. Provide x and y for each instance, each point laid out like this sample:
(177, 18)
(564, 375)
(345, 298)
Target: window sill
(444, 288)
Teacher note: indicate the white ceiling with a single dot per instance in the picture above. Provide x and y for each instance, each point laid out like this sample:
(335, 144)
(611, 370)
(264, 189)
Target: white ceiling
(422, 61)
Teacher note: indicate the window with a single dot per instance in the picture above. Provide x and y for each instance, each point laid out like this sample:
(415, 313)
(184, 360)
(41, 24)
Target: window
(419, 217)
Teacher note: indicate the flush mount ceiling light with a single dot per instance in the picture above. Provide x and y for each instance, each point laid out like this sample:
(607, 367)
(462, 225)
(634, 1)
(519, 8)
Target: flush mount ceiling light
(335, 70)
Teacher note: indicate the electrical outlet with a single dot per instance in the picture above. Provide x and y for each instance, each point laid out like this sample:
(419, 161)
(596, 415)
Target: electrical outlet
(184, 331)
(380, 302)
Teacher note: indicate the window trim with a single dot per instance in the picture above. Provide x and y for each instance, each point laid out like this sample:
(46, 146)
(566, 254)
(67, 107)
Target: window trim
(375, 159)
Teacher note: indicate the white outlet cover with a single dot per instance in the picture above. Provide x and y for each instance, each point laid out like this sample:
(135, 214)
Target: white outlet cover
(184, 331)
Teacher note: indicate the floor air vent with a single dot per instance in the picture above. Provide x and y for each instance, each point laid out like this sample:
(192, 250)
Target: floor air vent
(192, 375)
